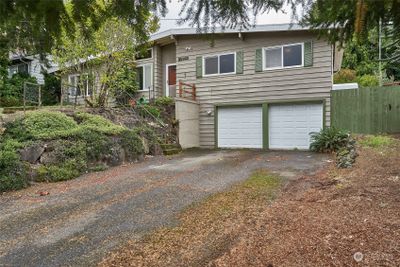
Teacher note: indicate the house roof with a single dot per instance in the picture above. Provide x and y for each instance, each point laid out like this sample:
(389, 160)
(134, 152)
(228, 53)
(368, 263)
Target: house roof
(256, 28)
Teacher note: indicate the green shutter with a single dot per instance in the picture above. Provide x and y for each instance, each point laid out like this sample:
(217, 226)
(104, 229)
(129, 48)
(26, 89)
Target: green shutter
(239, 62)
(199, 67)
(258, 63)
(308, 54)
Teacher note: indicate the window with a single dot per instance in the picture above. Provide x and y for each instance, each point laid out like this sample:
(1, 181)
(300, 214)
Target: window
(144, 76)
(22, 68)
(219, 64)
(144, 54)
(79, 86)
(286, 56)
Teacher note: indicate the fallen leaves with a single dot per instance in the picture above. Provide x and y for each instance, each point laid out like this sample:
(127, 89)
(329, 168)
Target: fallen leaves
(334, 218)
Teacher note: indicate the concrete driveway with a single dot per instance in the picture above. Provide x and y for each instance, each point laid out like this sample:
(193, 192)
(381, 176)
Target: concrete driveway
(83, 219)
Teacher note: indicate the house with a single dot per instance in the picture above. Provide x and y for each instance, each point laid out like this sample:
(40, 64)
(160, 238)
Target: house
(265, 87)
(31, 65)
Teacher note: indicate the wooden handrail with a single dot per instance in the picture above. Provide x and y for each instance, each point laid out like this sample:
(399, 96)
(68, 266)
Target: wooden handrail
(183, 91)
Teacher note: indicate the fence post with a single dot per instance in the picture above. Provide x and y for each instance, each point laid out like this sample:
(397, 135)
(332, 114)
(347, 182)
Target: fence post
(40, 96)
(24, 95)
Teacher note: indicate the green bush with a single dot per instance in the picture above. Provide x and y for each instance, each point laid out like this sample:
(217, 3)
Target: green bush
(12, 170)
(49, 125)
(97, 144)
(10, 101)
(164, 101)
(11, 91)
(377, 141)
(146, 109)
(345, 76)
(98, 123)
(132, 143)
(72, 161)
(329, 140)
(16, 130)
(51, 90)
(368, 81)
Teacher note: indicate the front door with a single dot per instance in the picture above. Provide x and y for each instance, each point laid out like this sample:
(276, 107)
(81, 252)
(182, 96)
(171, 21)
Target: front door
(170, 89)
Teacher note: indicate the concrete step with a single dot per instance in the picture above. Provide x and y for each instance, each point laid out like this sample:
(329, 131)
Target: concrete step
(171, 149)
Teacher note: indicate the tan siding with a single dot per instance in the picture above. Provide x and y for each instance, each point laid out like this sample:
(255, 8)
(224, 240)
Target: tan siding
(157, 71)
(168, 57)
(250, 87)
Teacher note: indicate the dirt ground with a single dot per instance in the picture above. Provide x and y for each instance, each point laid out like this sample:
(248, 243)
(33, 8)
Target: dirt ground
(334, 217)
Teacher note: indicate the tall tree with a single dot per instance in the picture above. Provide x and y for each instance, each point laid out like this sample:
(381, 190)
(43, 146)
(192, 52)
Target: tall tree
(36, 26)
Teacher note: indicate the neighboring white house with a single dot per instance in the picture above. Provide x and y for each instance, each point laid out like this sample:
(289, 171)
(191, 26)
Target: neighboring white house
(31, 65)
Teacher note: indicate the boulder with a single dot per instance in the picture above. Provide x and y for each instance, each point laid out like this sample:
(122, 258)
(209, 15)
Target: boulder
(156, 150)
(32, 153)
(146, 148)
(48, 158)
(116, 156)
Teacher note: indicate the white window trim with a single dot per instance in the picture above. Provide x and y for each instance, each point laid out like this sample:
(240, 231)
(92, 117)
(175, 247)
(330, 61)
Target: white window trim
(149, 58)
(87, 83)
(218, 55)
(282, 46)
(151, 77)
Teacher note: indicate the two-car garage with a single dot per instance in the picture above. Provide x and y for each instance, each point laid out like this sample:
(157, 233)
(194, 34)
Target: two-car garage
(273, 126)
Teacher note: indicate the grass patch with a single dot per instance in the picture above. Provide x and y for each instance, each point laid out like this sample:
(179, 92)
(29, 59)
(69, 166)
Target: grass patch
(377, 141)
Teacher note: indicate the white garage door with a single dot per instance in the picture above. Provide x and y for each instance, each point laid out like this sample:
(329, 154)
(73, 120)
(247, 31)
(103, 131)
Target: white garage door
(240, 127)
(290, 125)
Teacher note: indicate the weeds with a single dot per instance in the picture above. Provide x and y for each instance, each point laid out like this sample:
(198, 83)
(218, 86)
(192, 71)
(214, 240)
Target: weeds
(377, 141)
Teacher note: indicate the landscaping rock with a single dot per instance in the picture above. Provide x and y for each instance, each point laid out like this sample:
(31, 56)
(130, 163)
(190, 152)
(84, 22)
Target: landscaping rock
(32, 153)
(116, 156)
(156, 150)
(146, 147)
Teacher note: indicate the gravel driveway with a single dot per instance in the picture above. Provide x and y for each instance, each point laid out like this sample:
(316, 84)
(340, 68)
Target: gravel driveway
(83, 219)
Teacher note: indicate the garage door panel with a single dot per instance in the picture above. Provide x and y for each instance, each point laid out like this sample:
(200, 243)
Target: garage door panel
(290, 125)
(240, 127)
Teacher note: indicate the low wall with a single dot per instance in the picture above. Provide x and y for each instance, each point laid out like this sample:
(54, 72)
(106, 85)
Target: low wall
(187, 113)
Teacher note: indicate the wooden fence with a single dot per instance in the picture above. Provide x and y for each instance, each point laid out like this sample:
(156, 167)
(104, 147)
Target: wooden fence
(367, 110)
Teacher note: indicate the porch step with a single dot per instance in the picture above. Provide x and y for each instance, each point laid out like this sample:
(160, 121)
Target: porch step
(171, 149)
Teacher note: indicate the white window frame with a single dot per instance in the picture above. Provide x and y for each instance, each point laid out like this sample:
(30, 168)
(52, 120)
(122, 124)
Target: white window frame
(282, 66)
(86, 85)
(218, 55)
(148, 58)
(151, 77)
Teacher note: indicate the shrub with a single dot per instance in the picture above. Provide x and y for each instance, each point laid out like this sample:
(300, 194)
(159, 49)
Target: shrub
(72, 159)
(368, 81)
(10, 101)
(377, 141)
(146, 109)
(329, 140)
(12, 170)
(55, 173)
(48, 125)
(97, 144)
(132, 144)
(51, 90)
(16, 130)
(98, 123)
(164, 101)
(345, 76)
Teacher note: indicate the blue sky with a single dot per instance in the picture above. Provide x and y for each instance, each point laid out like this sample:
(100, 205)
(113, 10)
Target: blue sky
(174, 6)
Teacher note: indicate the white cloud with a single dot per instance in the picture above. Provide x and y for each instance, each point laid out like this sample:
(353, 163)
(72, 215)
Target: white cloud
(174, 7)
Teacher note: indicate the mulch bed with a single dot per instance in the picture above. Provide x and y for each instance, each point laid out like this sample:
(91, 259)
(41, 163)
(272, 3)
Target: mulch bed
(345, 217)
